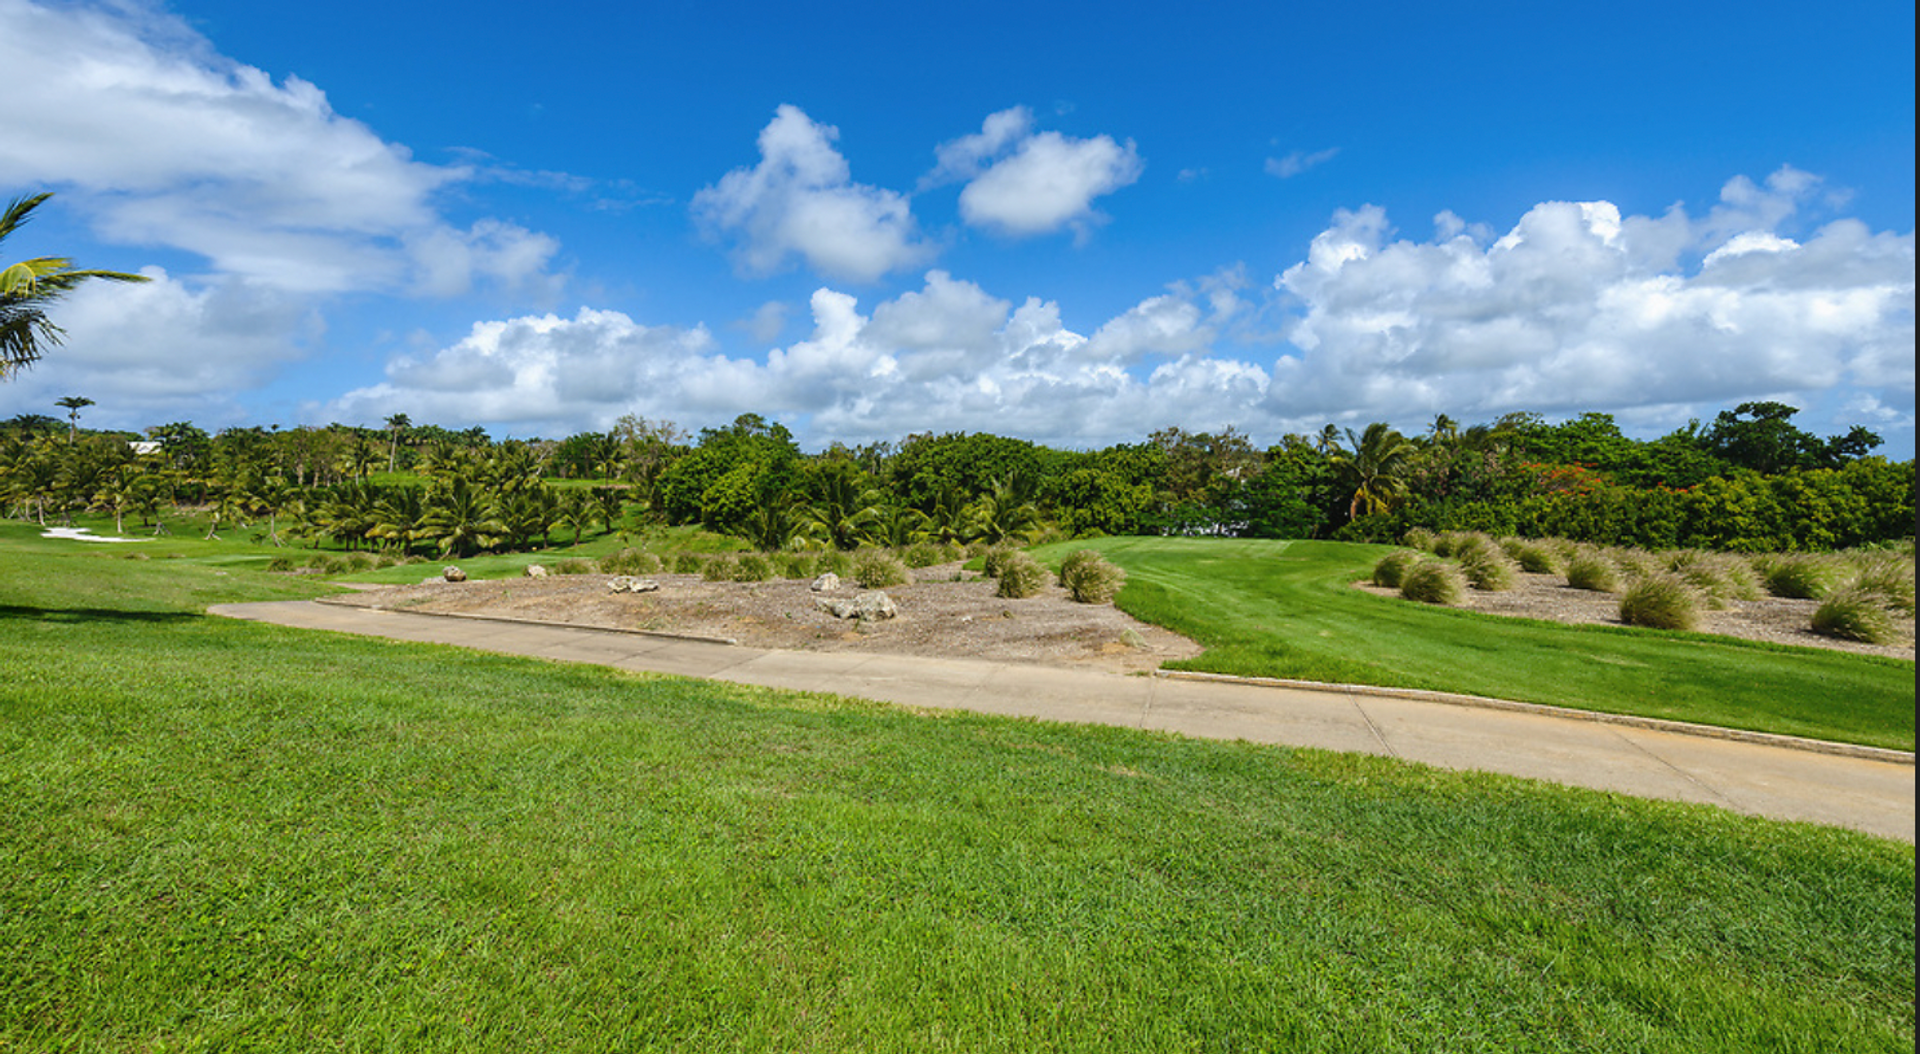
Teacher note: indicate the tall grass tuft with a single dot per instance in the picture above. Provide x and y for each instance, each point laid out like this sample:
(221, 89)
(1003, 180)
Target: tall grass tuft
(1534, 557)
(1021, 576)
(753, 567)
(574, 566)
(1088, 578)
(1886, 575)
(797, 565)
(1661, 601)
(1419, 538)
(688, 564)
(878, 569)
(1434, 582)
(1393, 567)
(994, 560)
(630, 562)
(1487, 566)
(835, 561)
(1800, 576)
(925, 554)
(1591, 570)
(718, 568)
(1854, 614)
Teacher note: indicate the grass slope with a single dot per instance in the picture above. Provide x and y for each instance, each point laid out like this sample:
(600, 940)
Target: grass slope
(1286, 609)
(222, 835)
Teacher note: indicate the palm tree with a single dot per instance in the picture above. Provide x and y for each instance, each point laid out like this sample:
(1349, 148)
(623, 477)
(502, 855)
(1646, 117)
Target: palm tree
(1373, 468)
(460, 518)
(27, 287)
(396, 424)
(72, 405)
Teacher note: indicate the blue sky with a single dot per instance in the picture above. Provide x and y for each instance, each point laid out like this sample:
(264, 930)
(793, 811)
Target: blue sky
(1070, 223)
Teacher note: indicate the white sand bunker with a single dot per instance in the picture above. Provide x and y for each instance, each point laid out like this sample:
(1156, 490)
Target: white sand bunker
(82, 534)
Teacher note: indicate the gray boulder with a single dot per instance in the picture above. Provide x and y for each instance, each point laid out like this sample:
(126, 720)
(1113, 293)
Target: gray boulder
(867, 607)
(453, 574)
(826, 583)
(624, 584)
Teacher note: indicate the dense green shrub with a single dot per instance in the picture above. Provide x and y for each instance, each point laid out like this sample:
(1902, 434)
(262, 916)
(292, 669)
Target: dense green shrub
(719, 567)
(282, 563)
(574, 566)
(1661, 601)
(688, 564)
(1591, 569)
(1021, 576)
(1089, 578)
(878, 569)
(1392, 567)
(1854, 614)
(1434, 582)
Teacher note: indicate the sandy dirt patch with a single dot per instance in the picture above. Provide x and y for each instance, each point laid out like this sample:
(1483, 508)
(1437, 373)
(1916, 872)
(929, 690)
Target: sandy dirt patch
(938, 616)
(1776, 620)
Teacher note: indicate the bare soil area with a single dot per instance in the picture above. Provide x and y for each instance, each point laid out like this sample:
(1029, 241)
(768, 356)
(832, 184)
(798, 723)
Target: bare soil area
(943, 612)
(1776, 619)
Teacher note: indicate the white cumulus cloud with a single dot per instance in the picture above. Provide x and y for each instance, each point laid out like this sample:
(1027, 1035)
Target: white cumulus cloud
(800, 200)
(1022, 183)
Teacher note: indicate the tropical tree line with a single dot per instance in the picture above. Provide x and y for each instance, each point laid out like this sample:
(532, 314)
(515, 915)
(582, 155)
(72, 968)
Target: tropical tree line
(1749, 479)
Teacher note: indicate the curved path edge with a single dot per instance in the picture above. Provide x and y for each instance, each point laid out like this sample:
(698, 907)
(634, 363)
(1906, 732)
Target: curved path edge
(1637, 757)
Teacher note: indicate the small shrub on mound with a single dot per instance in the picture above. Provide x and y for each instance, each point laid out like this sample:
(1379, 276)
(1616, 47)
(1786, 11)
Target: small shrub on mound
(752, 567)
(1089, 578)
(1021, 576)
(1718, 577)
(1801, 576)
(1434, 582)
(925, 554)
(1448, 543)
(1887, 576)
(878, 569)
(282, 563)
(1634, 564)
(797, 565)
(1854, 614)
(1661, 601)
(1393, 567)
(718, 568)
(688, 564)
(573, 566)
(1420, 538)
(1590, 569)
(630, 562)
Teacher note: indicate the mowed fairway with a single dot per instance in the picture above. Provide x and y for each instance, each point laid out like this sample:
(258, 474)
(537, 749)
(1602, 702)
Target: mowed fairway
(221, 835)
(1287, 609)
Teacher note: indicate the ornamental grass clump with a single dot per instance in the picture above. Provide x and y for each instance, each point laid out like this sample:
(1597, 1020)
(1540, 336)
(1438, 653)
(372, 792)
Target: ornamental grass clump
(1088, 578)
(1591, 570)
(925, 554)
(1393, 567)
(630, 562)
(835, 561)
(1801, 576)
(1535, 558)
(753, 567)
(1888, 576)
(995, 559)
(574, 566)
(1719, 578)
(1434, 582)
(1021, 576)
(1661, 601)
(878, 568)
(797, 565)
(1854, 614)
(1487, 567)
(689, 564)
(1419, 538)
(718, 568)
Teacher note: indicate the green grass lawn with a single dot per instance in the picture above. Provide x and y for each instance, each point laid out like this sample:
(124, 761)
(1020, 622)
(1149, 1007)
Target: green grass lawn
(229, 836)
(1287, 609)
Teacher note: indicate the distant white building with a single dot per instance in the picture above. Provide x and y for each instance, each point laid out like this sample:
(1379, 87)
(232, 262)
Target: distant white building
(143, 447)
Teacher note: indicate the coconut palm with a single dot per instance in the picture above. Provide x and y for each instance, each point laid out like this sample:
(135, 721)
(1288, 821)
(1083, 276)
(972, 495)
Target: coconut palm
(396, 424)
(73, 404)
(1373, 469)
(27, 287)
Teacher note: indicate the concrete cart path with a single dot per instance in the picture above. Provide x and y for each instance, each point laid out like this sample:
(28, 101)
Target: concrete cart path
(1866, 794)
